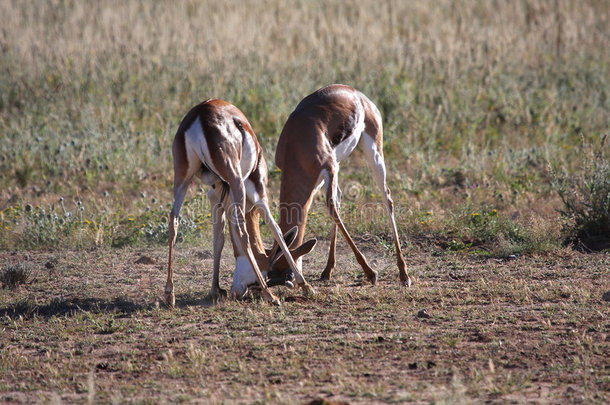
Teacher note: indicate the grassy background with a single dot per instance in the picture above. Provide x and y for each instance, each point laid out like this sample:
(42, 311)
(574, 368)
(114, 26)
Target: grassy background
(493, 114)
(479, 99)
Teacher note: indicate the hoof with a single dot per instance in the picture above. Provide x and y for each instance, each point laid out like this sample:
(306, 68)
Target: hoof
(272, 299)
(217, 294)
(373, 278)
(170, 299)
(308, 290)
(405, 280)
(325, 276)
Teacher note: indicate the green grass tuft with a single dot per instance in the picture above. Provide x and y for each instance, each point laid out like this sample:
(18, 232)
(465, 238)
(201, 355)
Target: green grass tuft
(14, 275)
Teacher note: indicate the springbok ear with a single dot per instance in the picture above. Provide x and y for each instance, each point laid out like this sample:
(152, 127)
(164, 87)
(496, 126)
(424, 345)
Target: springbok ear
(304, 248)
(289, 238)
(280, 263)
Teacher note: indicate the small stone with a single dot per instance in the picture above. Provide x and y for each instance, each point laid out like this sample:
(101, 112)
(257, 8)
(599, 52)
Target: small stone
(146, 260)
(606, 296)
(322, 401)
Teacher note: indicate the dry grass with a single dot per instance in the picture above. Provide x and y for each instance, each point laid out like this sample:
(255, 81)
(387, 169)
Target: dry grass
(478, 99)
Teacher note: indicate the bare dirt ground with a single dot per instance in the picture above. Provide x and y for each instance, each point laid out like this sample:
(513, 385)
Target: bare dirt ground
(90, 327)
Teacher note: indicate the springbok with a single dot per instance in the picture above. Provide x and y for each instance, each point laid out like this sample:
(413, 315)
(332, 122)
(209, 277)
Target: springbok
(216, 143)
(324, 129)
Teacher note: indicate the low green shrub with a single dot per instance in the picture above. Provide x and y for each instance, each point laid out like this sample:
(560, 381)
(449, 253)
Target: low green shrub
(483, 229)
(586, 199)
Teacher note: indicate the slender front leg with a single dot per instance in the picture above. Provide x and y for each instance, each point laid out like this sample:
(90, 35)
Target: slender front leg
(330, 264)
(179, 194)
(218, 226)
(331, 202)
(170, 299)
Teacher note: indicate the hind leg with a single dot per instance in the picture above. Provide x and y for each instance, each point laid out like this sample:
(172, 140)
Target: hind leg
(218, 225)
(377, 165)
(180, 190)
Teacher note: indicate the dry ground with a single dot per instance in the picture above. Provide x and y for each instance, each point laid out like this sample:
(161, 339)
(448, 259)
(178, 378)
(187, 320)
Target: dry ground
(90, 327)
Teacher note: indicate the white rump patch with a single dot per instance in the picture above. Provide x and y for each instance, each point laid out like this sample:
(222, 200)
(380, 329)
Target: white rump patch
(321, 180)
(248, 154)
(345, 148)
(196, 145)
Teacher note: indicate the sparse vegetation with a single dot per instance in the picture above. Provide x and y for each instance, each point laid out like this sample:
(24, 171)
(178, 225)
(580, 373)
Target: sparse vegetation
(586, 199)
(14, 275)
(493, 113)
(477, 99)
